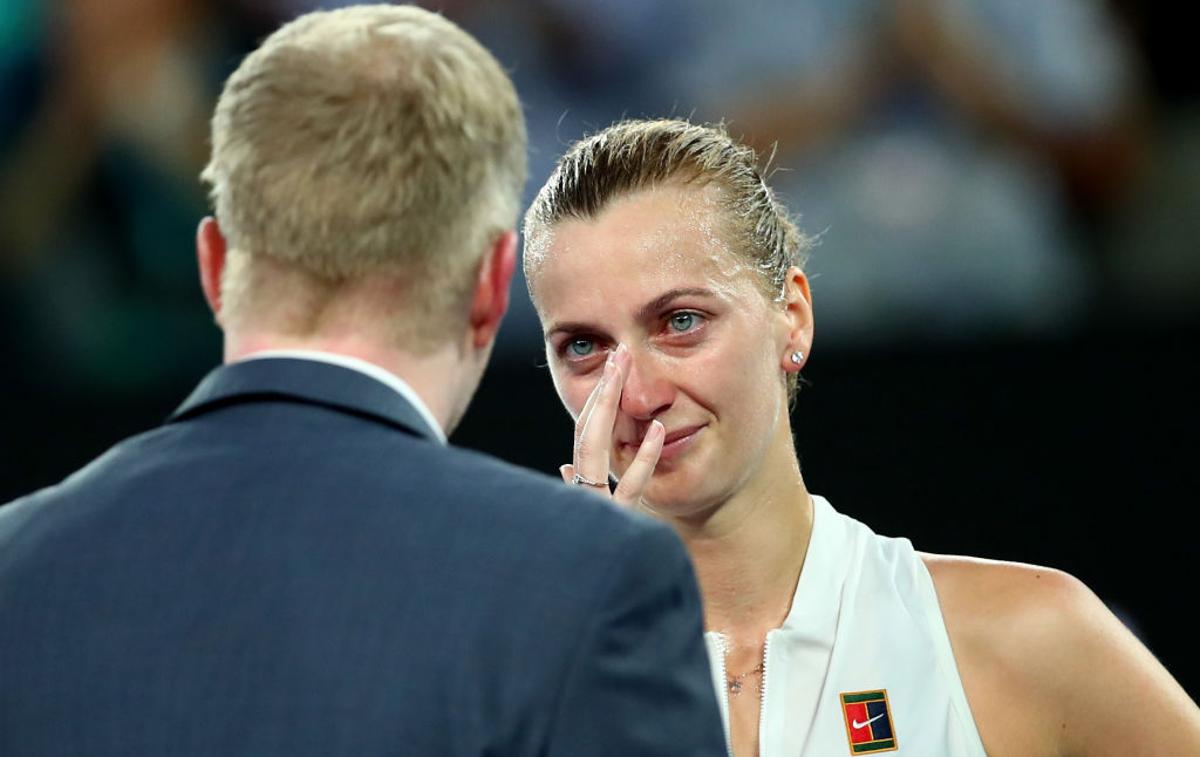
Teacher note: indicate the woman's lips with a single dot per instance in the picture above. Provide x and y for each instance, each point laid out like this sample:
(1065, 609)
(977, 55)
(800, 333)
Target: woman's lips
(675, 444)
(678, 442)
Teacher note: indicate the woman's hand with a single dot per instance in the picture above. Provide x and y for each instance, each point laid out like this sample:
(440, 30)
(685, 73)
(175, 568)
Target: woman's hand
(594, 435)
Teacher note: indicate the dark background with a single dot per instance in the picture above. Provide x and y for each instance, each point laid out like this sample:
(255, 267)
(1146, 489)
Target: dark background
(1046, 415)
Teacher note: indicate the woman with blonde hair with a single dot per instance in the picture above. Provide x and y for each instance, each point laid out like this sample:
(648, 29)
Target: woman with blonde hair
(677, 316)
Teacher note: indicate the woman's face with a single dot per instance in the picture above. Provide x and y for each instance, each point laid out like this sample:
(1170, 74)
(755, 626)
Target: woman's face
(707, 348)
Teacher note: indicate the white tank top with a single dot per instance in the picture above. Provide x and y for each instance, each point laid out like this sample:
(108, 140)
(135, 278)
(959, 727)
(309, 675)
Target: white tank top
(862, 663)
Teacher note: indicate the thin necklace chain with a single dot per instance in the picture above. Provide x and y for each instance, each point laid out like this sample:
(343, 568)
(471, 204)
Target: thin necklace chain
(735, 682)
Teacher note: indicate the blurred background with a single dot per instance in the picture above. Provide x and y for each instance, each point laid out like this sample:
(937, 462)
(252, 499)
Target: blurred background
(1006, 281)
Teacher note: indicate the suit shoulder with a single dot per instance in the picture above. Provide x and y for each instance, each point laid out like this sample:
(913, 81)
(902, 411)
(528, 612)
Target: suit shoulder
(114, 460)
(537, 494)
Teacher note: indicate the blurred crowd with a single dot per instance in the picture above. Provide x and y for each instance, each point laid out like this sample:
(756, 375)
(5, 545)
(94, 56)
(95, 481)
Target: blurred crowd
(969, 169)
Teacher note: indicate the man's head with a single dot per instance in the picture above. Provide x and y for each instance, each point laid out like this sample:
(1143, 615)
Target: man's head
(367, 165)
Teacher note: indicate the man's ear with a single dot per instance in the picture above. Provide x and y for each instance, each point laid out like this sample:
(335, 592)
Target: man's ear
(797, 332)
(490, 301)
(210, 254)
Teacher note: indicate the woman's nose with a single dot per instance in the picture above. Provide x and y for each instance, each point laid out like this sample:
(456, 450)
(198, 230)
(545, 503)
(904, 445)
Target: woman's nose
(648, 390)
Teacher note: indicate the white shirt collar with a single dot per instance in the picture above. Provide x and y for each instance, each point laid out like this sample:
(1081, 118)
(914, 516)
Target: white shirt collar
(364, 367)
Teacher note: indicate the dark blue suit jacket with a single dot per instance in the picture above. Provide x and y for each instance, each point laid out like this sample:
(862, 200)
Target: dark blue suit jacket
(293, 566)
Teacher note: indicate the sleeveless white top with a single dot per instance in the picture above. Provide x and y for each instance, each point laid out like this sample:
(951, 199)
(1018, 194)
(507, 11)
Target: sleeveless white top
(862, 663)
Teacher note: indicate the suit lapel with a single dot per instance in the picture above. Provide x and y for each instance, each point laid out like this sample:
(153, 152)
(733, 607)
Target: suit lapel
(303, 381)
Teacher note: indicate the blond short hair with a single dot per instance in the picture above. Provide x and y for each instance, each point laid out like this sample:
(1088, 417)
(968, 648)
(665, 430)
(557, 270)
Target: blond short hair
(637, 155)
(364, 140)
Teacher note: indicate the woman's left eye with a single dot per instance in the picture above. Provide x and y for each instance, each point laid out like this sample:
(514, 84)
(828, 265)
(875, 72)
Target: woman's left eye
(683, 322)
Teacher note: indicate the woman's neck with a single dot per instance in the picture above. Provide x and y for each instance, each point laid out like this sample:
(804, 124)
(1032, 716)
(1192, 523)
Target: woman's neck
(749, 552)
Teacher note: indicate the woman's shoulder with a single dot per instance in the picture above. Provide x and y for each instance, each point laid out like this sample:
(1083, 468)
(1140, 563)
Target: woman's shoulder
(1014, 619)
(1048, 668)
(1032, 621)
(1014, 628)
(985, 592)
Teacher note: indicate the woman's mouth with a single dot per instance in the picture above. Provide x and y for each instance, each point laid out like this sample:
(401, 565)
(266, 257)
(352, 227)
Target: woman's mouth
(675, 443)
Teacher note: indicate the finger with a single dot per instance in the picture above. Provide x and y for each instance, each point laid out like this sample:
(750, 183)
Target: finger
(568, 474)
(590, 404)
(586, 413)
(594, 434)
(637, 476)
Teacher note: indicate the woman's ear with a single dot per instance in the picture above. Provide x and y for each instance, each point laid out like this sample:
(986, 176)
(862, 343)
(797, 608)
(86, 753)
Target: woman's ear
(797, 336)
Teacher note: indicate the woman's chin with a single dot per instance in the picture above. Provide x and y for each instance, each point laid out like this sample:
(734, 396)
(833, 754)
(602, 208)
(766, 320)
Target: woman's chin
(679, 497)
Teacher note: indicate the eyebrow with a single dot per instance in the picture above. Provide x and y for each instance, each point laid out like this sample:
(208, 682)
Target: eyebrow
(645, 312)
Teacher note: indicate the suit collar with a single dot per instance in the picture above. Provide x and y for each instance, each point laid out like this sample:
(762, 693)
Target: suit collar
(362, 366)
(304, 381)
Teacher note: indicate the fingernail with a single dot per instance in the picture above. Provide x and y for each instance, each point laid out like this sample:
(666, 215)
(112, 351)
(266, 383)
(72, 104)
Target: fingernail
(621, 353)
(657, 429)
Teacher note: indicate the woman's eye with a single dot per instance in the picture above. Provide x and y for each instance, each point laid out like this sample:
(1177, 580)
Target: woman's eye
(683, 322)
(580, 347)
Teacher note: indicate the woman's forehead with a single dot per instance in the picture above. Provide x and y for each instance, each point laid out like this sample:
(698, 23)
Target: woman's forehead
(602, 296)
(658, 239)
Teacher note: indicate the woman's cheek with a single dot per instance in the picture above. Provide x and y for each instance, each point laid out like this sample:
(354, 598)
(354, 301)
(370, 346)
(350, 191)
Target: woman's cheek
(711, 368)
(563, 386)
(574, 394)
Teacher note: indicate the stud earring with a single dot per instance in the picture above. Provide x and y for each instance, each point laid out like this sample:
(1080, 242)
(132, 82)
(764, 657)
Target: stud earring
(797, 357)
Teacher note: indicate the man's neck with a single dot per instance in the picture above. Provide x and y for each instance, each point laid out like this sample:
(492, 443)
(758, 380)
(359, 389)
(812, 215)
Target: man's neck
(434, 377)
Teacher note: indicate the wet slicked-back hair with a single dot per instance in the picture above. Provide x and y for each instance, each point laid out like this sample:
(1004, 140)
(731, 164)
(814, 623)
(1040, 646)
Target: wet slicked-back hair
(637, 155)
(644, 154)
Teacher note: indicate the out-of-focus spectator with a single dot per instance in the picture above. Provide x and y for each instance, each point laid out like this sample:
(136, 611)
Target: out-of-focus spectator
(1150, 245)
(99, 194)
(1152, 248)
(944, 146)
